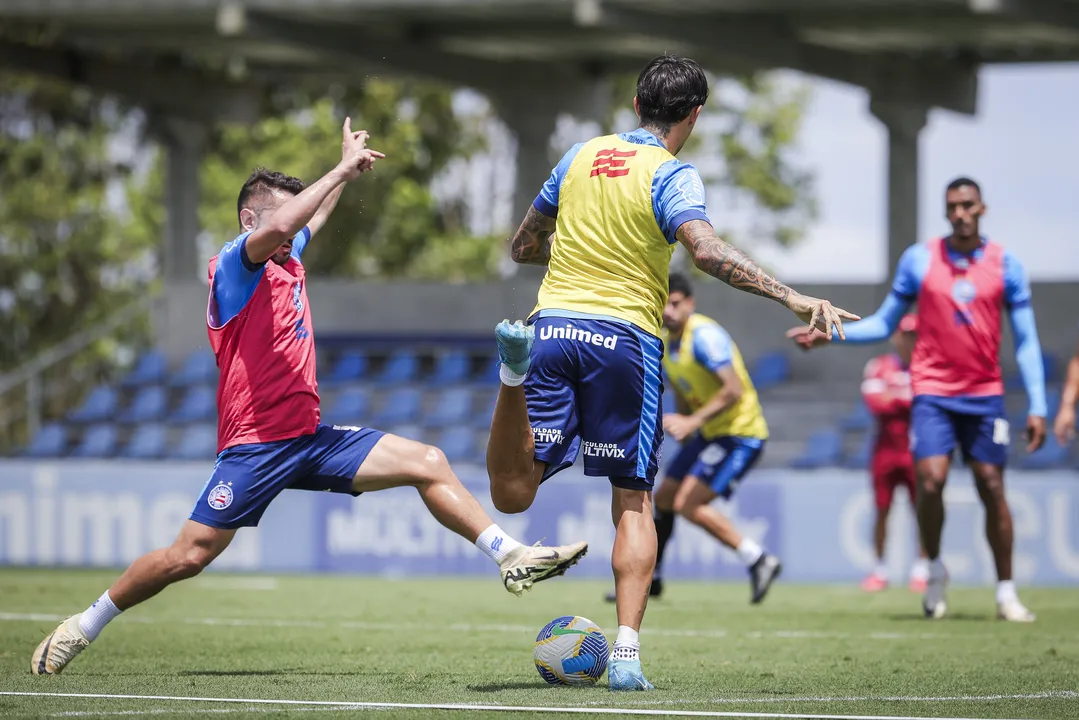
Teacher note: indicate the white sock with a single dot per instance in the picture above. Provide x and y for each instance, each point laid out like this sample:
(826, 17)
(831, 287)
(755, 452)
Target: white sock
(97, 616)
(1006, 592)
(881, 570)
(627, 646)
(920, 569)
(510, 378)
(496, 543)
(936, 568)
(749, 551)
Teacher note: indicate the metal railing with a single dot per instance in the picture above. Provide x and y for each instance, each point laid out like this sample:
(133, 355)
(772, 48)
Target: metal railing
(48, 383)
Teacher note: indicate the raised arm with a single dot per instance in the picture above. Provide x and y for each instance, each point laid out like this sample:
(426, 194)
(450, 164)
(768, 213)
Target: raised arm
(325, 210)
(724, 262)
(295, 214)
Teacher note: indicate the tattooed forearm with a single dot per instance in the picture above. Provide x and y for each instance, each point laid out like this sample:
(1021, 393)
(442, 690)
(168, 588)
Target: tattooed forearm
(724, 262)
(532, 243)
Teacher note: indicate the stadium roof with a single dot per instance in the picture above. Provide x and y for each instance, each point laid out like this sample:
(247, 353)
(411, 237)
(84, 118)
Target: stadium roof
(923, 52)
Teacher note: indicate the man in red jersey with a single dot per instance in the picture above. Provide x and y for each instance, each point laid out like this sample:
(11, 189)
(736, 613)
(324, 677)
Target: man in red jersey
(887, 393)
(964, 284)
(270, 437)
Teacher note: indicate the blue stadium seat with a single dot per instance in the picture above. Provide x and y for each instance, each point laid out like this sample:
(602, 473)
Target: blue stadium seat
(99, 441)
(824, 449)
(1051, 455)
(350, 407)
(450, 368)
(408, 431)
(770, 369)
(459, 444)
(199, 442)
(489, 374)
(859, 459)
(487, 410)
(99, 405)
(857, 420)
(350, 367)
(150, 369)
(148, 406)
(1051, 367)
(401, 367)
(147, 443)
(200, 368)
(198, 405)
(50, 441)
(454, 408)
(401, 406)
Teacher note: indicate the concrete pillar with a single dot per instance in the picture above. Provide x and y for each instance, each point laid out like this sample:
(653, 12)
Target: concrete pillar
(185, 144)
(904, 123)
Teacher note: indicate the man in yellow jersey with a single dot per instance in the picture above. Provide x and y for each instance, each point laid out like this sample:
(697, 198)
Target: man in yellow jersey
(722, 430)
(617, 205)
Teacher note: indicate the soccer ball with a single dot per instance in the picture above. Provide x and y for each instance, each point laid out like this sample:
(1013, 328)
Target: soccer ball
(571, 651)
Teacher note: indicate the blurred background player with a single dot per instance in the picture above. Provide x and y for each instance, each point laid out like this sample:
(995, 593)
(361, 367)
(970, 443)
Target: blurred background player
(1064, 426)
(619, 204)
(722, 430)
(270, 437)
(887, 393)
(963, 284)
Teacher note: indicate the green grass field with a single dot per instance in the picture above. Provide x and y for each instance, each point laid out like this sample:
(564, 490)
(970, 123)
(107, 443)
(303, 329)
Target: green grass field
(807, 650)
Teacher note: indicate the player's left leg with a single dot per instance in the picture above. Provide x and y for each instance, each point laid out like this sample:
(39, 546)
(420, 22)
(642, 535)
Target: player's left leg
(358, 460)
(984, 440)
(633, 559)
(883, 494)
(717, 474)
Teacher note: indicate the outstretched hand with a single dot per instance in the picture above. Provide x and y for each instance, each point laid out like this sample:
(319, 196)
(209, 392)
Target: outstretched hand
(356, 157)
(820, 314)
(807, 337)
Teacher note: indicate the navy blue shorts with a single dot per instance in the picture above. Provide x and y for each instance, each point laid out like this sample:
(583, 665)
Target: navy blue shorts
(247, 478)
(719, 463)
(978, 425)
(595, 385)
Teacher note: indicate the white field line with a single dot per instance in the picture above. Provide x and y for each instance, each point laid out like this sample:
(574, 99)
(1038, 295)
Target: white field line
(254, 703)
(489, 627)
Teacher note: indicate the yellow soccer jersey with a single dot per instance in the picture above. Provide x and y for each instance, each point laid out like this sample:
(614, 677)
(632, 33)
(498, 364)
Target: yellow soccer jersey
(619, 201)
(691, 369)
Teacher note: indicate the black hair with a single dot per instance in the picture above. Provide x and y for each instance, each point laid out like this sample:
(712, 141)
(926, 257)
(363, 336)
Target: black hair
(679, 283)
(668, 89)
(964, 182)
(263, 181)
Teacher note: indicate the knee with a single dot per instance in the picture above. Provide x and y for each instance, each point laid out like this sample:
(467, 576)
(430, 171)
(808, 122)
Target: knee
(509, 500)
(931, 483)
(432, 468)
(187, 562)
(685, 507)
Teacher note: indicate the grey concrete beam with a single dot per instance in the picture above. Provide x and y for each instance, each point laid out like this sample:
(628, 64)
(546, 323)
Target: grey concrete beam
(1049, 12)
(172, 91)
(904, 122)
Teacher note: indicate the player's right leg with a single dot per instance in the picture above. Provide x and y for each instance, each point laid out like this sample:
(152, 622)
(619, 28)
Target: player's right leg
(633, 559)
(196, 547)
(534, 428)
(933, 438)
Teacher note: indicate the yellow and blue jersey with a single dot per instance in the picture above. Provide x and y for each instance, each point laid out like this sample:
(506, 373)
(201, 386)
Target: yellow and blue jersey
(691, 365)
(619, 201)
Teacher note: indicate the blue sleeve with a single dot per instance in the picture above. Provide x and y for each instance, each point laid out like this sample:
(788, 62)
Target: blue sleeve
(908, 282)
(1028, 353)
(547, 201)
(300, 242)
(1016, 284)
(913, 265)
(235, 279)
(677, 197)
(712, 347)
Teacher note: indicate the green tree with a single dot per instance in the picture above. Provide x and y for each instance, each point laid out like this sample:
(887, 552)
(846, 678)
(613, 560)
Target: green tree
(387, 224)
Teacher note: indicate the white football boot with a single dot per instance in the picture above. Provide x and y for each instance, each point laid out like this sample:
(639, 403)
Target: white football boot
(59, 648)
(1014, 611)
(525, 566)
(933, 603)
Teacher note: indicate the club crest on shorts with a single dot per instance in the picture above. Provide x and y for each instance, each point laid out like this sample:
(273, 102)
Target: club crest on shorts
(220, 497)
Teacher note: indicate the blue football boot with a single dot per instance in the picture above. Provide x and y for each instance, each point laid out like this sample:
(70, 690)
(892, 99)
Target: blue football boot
(515, 345)
(627, 675)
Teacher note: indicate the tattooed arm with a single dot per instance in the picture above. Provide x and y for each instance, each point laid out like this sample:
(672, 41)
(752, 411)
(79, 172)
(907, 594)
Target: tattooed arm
(532, 243)
(724, 262)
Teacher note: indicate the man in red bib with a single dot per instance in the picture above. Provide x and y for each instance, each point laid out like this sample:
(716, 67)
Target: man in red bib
(270, 437)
